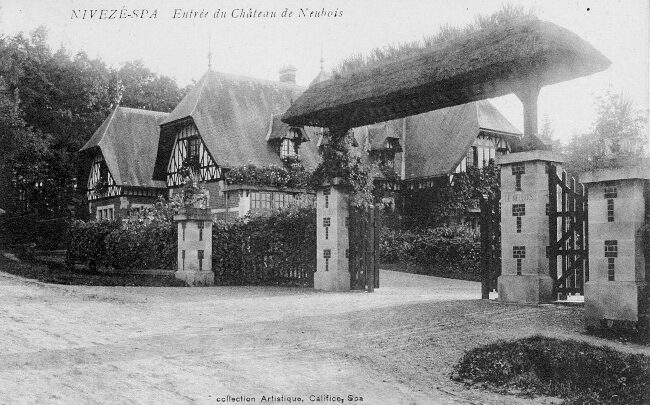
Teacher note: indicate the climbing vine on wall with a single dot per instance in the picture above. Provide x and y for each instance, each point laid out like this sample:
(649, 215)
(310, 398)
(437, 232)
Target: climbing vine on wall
(433, 206)
(340, 160)
(291, 175)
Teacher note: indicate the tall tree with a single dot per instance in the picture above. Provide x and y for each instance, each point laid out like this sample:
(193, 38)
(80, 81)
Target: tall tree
(618, 135)
(146, 90)
(50, 105)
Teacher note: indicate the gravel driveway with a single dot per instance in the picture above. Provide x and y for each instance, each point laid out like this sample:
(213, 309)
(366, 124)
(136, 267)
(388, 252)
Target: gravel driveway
(124, 345)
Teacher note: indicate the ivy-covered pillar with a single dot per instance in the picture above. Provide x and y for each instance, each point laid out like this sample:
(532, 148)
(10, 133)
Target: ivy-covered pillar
(194, 246)
(332, 213)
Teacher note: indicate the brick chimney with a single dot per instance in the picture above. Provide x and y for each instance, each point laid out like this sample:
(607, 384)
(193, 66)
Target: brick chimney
(288, 74)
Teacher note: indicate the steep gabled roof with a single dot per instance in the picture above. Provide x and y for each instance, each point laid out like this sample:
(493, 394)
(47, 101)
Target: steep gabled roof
(437, 141)
(378, 134)
(128, 141)
(234, 115)
(279, 130)
(491, 120)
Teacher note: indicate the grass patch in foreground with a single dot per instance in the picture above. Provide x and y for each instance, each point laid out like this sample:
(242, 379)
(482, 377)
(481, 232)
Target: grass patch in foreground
(577, 372)
(60, 274)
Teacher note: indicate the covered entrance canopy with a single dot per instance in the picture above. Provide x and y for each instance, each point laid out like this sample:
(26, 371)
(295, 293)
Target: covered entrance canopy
(518, 58)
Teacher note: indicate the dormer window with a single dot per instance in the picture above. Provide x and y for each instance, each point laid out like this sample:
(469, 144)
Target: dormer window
(393, 144)
(287, 148)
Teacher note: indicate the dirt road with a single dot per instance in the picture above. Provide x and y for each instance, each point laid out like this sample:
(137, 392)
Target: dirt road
(121, 345)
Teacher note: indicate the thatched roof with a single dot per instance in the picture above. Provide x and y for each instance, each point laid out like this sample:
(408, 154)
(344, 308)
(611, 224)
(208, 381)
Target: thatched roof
(128, 141)
(488, 63)
(438, 140)
(435, 142)
(234, 115)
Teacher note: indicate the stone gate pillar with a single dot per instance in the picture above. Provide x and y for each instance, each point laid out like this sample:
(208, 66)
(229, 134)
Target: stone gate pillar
(524, 227)
(617, 289)
(332, 210)
(194, 246)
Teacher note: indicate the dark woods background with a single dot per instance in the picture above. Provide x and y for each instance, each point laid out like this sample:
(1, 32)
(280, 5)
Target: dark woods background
(51, 102)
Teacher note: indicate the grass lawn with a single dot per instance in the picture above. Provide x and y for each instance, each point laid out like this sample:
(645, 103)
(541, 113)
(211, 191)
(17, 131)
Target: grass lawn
(59, 273)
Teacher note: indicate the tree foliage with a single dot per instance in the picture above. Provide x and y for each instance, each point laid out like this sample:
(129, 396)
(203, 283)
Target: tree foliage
(618, 136)
(50, 105)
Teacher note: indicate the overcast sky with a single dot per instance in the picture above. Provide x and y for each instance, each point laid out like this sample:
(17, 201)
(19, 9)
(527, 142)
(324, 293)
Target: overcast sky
(258, 47)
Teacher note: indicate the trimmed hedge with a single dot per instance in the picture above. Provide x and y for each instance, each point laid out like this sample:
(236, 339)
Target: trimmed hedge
(150, 246)
(86, 241)
(274, 250)
(577, 372)
(448, 251)
(124, 247)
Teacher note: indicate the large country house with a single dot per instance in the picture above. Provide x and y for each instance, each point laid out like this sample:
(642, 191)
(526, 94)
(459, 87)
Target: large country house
(118, 161)
(227, 121)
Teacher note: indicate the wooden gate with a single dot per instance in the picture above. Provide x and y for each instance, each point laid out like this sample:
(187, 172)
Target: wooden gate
(490, 229)
(363, 255)
(567, 218)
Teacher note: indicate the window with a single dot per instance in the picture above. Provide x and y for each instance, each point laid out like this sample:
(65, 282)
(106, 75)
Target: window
(193, 147)
(261, 199)
(287, 148)
(268, 200)
(105, 213)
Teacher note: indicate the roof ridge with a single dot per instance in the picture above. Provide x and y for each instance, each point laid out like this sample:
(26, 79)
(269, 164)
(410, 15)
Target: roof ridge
(108, 124)
(203, 80)
(258, 80)
(142, 110)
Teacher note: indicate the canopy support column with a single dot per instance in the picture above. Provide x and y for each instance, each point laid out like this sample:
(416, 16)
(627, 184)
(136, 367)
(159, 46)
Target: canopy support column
(528, 93)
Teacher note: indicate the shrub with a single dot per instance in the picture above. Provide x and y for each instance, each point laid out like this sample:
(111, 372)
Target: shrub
(142, 246)
(273, 250)
(145, 242)
(576, 371)
(452, 251)
(86, 241)
(47, 234)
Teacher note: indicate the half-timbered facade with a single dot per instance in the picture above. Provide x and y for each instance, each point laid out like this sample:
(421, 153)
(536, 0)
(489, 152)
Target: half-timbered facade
(190, 153)
(227, 121)
(118, 162)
